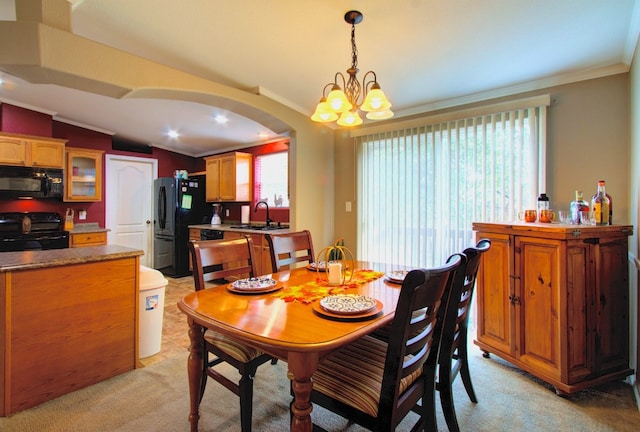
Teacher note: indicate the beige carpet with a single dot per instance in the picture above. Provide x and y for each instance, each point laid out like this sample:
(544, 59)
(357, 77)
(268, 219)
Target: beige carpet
(155, 398)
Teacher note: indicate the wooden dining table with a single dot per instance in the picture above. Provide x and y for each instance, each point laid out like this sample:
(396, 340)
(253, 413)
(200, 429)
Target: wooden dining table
(287, 325)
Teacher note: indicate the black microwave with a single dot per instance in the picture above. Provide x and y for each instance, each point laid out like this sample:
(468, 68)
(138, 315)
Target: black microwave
(26, 182)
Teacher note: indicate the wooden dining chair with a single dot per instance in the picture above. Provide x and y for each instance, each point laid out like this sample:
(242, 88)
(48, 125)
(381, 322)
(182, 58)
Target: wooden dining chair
(376, 383)
(214, 260)
(291, 248)
(453, 356)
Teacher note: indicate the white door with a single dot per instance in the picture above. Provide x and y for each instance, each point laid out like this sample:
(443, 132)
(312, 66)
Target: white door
(129, 203)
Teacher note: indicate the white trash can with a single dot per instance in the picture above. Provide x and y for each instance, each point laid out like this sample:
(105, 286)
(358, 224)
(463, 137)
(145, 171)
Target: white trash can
(151, 311)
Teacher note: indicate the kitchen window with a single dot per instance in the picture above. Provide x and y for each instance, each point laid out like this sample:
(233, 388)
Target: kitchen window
(421, 187)
(272, 179)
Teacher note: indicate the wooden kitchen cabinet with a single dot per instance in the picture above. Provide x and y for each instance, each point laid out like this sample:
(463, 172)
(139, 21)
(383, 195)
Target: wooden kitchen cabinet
(194, 234)
(30, 151)
(261, 251)
(229, 177)
(83, 175)
(554, 300)
(81, 239)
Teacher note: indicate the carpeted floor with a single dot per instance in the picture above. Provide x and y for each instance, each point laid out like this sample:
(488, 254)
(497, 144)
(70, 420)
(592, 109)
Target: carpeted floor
(155, 398)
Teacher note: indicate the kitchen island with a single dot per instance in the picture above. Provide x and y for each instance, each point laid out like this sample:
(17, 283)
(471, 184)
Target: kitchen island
(69, 319)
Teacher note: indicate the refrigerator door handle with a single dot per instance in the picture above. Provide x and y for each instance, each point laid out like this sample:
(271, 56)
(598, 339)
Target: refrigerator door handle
(162, 207)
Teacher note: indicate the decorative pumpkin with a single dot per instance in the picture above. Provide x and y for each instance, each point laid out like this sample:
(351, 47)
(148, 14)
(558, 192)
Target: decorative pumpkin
(336, 254)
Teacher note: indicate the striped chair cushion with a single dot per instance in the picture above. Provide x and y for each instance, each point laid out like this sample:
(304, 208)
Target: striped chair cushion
(353, 375)
(232, 347)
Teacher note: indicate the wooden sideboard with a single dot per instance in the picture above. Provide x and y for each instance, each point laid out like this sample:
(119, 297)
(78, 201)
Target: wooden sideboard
(553, 299)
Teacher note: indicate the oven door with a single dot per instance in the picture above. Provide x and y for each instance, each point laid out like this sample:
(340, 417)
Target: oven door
(34, 241)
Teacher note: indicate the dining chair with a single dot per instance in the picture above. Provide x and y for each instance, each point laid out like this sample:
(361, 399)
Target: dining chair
(376, 383)
(214, 260)
(453, 356)
(291, 248)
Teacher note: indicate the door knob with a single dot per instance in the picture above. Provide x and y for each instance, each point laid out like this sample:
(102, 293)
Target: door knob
(148, 222)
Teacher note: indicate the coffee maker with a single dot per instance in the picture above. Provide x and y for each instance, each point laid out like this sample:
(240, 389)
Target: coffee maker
(217, 211)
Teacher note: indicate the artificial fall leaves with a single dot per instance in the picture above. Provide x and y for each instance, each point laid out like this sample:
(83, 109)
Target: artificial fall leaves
(315, 290)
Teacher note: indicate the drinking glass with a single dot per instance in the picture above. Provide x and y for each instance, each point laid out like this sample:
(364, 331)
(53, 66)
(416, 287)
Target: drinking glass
(565, 217)
(585, 217)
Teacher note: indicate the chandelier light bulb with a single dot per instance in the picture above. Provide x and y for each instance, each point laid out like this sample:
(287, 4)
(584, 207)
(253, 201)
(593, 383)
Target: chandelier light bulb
(380, 115)
(375, 100)
(338, 101)
(323, 112)
(350, 118)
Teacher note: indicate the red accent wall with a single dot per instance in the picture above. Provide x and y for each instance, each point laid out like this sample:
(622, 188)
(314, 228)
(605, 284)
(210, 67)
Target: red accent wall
(24, 121)
(19, 120)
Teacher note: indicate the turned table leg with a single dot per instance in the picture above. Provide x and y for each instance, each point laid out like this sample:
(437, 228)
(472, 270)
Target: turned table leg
(302, 366)
(195, 367)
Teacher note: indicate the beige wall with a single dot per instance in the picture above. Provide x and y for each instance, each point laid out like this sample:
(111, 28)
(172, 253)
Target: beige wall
(634, 211)
(587, 140)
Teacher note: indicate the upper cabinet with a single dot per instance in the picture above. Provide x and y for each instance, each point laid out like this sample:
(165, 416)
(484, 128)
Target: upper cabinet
(229, 177)
(25, 150)
(83, 175)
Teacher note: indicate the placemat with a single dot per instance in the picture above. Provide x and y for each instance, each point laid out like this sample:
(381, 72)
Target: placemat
(319, 288)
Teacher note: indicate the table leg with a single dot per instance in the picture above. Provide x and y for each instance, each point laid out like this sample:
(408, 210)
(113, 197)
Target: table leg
(302, 366)
(195, 367)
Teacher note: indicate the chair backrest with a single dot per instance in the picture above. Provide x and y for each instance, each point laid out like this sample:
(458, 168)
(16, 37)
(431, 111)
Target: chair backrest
(413, 349)
(457, 311)
(219, 259)
(474, 255)
(290, 248)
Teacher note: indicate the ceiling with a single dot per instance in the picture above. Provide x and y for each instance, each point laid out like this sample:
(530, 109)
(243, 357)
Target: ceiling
(427, 54)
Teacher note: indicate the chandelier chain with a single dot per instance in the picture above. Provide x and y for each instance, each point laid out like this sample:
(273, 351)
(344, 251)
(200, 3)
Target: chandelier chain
(354, 49)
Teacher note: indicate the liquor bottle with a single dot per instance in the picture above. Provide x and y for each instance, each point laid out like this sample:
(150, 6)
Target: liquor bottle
(543, 203)
(600, 203)
(577, 206)
(610, 205)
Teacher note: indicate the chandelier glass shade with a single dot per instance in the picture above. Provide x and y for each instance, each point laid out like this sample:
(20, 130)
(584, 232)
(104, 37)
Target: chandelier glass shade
(343, 105)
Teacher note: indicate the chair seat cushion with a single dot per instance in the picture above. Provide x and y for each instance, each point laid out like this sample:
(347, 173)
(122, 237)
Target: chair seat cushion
(353, 374)
(232, 347)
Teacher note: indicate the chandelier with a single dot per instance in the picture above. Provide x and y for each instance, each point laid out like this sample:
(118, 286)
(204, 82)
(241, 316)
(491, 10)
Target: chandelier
(344, 105)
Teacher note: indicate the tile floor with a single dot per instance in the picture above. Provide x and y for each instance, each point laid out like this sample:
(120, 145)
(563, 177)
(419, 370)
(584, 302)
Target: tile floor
(175, 337)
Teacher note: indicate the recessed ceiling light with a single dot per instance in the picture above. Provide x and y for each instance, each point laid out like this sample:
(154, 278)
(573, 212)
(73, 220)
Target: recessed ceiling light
(221, 118)
(173, 134)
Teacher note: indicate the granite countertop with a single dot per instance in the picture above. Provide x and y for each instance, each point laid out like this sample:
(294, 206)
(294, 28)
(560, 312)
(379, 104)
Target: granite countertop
(228, 227)
(87, 227)
(12, 261)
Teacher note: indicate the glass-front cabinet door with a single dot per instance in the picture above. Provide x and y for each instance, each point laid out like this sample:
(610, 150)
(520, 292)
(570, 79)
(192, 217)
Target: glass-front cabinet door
(83, 175)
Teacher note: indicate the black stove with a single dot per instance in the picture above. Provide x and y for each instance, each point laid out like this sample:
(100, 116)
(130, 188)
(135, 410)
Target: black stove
(32, 231)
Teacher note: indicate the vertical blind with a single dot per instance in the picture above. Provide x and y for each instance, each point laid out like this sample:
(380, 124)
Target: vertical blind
(420, 188)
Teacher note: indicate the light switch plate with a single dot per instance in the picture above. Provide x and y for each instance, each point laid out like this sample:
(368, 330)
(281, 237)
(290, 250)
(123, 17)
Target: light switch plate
(347, 206)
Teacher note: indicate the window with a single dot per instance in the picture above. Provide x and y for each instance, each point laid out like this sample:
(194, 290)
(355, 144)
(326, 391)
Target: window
(272, 179)
(420, 188)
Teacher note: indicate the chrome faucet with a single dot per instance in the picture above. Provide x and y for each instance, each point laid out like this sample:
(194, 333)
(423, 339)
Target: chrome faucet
(267, 207)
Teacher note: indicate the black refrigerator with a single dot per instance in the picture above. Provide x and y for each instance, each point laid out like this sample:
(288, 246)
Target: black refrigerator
(179, 203)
